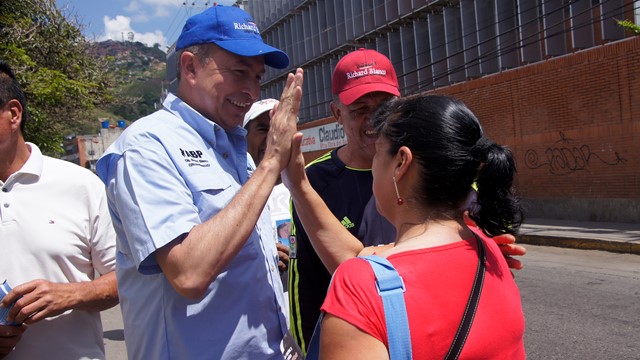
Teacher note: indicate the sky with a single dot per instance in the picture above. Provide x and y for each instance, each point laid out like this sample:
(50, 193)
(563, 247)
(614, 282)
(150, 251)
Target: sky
(149, 21)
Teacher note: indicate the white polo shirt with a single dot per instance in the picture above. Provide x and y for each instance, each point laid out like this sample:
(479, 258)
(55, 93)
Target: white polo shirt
(55, 225)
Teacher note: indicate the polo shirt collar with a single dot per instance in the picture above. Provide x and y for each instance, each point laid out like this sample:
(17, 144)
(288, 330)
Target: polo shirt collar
(33, 166)
(34, 163)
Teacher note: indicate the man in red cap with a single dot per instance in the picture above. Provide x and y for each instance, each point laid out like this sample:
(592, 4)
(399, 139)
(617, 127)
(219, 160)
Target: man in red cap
(362, 81)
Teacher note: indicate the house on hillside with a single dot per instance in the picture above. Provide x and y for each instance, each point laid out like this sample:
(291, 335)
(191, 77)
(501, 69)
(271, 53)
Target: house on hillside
(85, 150)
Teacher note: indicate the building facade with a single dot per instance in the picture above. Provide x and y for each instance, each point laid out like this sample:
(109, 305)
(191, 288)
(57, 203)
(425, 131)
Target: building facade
(432, 43)
(85, 150)
(556, 80)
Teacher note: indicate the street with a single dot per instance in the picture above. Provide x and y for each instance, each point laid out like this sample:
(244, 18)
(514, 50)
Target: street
(113, 334)
(578, 304)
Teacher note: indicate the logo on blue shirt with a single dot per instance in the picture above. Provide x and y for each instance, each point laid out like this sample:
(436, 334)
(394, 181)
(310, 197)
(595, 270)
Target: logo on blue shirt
(194, 158)
(195, 154)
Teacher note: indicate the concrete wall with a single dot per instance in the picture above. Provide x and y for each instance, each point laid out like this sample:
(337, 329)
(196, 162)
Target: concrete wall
(573, 123)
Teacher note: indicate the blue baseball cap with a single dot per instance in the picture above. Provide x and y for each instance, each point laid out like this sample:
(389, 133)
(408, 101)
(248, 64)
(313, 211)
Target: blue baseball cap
(232, 29)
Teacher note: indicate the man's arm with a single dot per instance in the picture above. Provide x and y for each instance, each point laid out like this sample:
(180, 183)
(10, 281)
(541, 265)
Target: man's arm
(39, 299)
(506, 244)
(191, 262)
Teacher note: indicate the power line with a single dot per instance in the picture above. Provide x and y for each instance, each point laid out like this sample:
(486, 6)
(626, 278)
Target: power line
(496, 52)
(188, 7)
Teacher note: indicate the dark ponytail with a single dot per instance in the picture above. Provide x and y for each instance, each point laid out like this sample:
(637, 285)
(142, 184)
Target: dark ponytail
(499, 212)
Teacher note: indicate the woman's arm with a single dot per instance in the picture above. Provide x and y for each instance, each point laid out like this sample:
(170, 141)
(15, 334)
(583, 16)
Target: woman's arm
(332, 242)
(341, 340)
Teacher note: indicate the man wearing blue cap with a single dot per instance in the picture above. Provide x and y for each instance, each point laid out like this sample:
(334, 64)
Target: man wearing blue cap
(197, 264)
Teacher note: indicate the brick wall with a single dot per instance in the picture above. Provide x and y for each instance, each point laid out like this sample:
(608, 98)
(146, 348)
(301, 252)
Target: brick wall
(573, 123)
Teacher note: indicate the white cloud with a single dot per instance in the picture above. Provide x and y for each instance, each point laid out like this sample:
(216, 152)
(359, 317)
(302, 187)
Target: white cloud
(150, 12)
(119, 29)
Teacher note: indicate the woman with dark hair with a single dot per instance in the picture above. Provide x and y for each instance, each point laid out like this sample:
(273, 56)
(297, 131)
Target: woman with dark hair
(432, 161)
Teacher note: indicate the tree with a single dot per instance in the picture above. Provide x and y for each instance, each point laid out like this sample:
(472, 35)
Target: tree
(53, 62)
(630, 26)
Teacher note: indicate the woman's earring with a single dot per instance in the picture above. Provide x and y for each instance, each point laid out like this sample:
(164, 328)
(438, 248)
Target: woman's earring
(400, 200)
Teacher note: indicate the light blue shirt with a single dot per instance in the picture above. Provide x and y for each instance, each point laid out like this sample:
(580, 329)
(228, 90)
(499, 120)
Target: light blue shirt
(167, 173)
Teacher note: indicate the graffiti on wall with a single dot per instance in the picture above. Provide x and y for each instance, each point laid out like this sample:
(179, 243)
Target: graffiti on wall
(565, 157)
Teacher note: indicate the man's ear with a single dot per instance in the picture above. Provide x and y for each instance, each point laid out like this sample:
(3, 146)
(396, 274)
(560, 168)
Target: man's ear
(15, 108)
(187, 65)
(337, 112)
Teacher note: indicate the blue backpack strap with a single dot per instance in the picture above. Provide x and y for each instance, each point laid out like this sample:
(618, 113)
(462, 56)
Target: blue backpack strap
(391, 288)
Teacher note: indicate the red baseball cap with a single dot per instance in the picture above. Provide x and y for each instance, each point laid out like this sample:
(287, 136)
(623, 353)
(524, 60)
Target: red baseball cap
(361, 72)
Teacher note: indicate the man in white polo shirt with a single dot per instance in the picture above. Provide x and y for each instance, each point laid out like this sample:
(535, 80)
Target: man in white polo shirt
(55, 235)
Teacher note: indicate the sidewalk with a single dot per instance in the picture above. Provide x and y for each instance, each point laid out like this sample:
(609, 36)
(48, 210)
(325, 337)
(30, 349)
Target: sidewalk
(614, 237)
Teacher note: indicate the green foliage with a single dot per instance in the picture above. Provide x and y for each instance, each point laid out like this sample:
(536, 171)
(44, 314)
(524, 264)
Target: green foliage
(144, 96)
(629, 26)
(70, 82)
(140, 71)
(61, 77)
